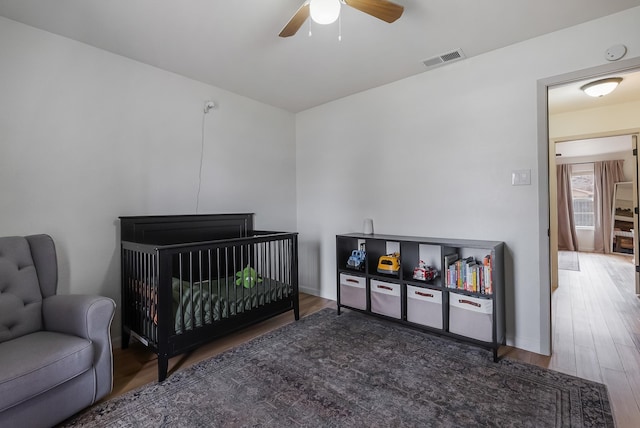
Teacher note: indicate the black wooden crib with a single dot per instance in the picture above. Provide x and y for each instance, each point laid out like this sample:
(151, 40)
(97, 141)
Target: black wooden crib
(189, 279)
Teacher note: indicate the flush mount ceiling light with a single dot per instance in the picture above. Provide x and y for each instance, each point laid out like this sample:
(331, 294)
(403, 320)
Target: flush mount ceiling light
(324, 11)
(602, 87)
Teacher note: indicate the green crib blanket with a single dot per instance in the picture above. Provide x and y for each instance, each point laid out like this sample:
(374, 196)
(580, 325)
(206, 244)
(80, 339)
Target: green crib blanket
(219, 299)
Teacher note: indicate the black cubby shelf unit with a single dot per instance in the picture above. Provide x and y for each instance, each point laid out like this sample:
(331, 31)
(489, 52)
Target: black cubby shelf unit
(465, 301)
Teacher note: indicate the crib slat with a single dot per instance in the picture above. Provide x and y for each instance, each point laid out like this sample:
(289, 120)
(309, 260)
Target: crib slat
(209, 275)
(181, 292)
(226, 279)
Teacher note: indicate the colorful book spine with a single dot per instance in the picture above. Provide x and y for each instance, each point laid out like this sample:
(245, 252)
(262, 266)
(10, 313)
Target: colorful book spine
(469, 275)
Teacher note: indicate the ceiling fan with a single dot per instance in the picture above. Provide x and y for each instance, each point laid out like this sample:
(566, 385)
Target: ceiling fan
(327, 11)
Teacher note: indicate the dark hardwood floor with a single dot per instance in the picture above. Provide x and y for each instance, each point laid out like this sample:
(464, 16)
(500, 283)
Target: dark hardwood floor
(596, 335)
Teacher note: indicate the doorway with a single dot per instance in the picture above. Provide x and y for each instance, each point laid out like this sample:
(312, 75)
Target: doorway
(582, 216)
(548, 264)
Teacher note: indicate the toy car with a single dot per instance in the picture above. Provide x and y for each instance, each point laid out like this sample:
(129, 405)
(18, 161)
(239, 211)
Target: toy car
(356, 260)
(389, 264)
(424, 272)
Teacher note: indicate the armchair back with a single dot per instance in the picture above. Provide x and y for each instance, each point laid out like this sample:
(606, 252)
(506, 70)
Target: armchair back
(28, 271)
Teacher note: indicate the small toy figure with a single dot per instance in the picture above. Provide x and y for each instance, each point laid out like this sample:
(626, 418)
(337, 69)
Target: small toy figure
(356, 260)
(389, 264)
(424, 272)
(248, 277)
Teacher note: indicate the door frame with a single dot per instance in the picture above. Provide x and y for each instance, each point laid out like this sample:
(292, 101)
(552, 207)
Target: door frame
(544, 214)
(636, 213)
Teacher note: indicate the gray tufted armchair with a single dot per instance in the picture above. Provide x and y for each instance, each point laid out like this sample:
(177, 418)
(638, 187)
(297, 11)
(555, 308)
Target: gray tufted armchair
(55, 350)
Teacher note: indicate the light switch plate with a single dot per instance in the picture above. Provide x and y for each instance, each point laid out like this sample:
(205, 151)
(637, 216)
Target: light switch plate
(521, 177)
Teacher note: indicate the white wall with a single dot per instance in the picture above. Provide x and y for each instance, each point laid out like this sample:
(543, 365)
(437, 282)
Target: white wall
(432, 155)
(87, 136)
(595, 121)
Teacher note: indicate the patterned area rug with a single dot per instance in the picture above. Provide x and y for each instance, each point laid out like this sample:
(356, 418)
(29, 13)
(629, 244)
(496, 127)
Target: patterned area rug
(568, 260)
(355, 370)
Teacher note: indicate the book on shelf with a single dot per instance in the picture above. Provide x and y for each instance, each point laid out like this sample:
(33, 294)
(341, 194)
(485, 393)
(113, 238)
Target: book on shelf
(469, 274)
(450, 258)
(488, 274)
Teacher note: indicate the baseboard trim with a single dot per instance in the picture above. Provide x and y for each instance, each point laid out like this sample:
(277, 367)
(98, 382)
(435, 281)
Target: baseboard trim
(312, 291)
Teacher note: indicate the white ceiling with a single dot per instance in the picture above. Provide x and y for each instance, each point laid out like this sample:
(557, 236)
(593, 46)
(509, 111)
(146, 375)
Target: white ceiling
(234, 44)
(569, 97)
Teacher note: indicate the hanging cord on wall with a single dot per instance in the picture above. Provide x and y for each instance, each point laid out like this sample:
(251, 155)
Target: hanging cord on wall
(207, 107)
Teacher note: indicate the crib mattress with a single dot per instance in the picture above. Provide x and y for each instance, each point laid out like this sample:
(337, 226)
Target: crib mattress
(211, 301)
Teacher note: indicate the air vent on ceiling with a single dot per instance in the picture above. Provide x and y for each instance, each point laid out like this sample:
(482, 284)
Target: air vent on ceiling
(444, 58)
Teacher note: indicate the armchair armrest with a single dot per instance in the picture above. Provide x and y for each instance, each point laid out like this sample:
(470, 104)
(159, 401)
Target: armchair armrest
(78, 315)
(88, 317)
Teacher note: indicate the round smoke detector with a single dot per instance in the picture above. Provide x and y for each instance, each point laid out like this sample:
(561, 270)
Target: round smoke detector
(616, 52)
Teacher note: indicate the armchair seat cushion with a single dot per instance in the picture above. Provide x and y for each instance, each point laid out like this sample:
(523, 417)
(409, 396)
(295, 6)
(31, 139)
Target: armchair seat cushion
(37, 362)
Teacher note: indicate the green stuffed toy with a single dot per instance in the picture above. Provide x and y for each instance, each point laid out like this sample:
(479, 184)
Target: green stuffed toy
(247, 277)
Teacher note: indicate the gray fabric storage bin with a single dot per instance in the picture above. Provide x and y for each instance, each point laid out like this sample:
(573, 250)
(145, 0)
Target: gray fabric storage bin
(424, 306)
(471, 317)
(385, 298)
(353, 291)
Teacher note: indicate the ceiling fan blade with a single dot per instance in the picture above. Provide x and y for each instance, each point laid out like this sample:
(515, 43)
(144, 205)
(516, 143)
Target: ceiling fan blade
(296, 21)
(381, 9)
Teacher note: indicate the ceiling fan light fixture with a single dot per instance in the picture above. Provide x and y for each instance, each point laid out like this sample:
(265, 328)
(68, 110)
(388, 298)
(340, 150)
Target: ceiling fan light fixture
(602, 87)
(324, 11)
